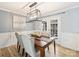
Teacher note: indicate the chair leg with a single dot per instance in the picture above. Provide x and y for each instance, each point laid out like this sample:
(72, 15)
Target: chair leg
(26, 54)
(19, 48)
(17, 45)
(23, 51)
(29, 55)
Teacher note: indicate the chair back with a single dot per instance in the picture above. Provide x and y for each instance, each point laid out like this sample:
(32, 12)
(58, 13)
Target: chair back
(29, 45)
(17, 36)
(19, 39)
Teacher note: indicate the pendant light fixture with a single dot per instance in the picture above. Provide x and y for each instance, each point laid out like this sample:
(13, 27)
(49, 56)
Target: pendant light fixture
(34, 13)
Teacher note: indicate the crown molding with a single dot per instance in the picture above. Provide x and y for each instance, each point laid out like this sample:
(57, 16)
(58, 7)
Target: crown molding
(57, 12)
(14, 12)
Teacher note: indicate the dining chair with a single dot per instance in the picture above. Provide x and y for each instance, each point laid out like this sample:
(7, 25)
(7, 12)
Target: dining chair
(29, 46)
(17, 36)
(20, 45)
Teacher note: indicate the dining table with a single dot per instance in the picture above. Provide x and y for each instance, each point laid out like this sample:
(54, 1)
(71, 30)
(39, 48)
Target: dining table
(41, 44)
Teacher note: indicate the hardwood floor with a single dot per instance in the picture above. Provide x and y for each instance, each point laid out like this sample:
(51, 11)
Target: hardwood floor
(65, 52)
(11, 51)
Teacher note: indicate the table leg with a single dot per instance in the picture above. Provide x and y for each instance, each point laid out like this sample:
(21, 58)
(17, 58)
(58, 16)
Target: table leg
(42, 52)
(54, 48)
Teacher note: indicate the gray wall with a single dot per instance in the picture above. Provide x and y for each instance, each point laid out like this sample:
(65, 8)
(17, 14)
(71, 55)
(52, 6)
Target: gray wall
(70, 21)
(69, 34)
(5, 22)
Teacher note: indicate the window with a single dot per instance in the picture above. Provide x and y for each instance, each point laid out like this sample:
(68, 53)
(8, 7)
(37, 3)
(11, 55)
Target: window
(44, 26)
(54, 26)
(19, 23)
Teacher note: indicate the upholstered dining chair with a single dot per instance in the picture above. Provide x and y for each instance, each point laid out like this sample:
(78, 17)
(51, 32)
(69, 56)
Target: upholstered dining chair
(28, 43)
(29, 46)
(20, 45)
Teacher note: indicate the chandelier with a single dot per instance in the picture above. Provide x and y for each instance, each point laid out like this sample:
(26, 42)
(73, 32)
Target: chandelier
(34, 14)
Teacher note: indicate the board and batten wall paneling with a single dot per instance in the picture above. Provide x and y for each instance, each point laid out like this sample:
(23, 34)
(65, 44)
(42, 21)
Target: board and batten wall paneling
(70, 29)
(7, 36)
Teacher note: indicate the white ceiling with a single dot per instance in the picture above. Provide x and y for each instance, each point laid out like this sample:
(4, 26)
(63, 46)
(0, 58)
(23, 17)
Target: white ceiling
(44, 7)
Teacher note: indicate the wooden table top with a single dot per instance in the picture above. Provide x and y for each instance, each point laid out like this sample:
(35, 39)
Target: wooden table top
(42, 43)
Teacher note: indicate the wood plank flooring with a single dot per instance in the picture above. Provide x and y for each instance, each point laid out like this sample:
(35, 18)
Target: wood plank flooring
(65, 52)
(11, 51)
